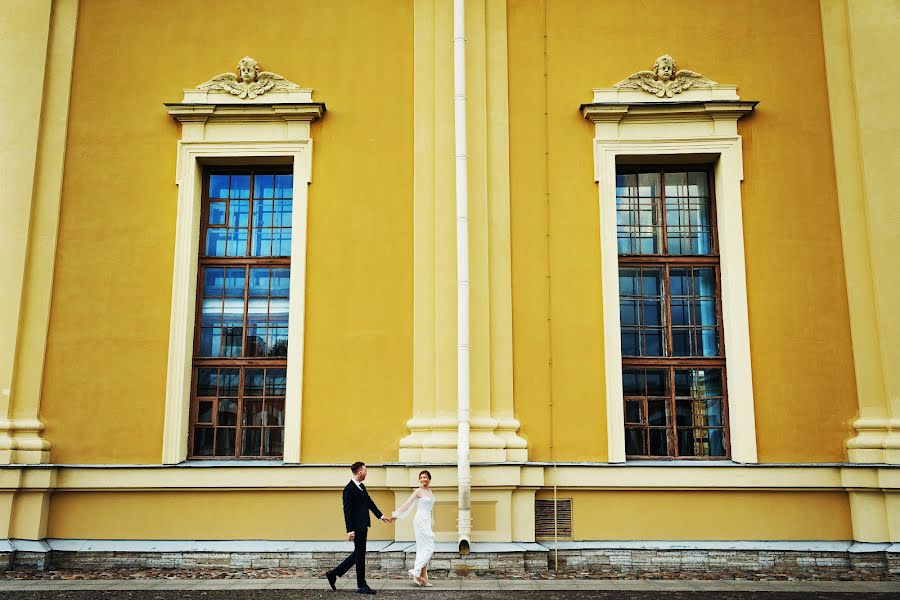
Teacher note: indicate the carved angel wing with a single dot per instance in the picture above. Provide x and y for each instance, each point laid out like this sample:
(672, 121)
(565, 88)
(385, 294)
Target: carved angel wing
(227, 82)
(644, 80)
(267, 80)
(684, 79)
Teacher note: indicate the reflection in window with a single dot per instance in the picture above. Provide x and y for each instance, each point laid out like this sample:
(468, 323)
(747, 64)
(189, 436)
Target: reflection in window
(241, 346)
(669, 310)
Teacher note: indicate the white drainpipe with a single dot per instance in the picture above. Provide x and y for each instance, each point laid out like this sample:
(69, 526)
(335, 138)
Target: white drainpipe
(462, 275)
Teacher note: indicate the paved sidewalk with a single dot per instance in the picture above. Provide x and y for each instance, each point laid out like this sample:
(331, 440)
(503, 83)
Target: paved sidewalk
(831, 587)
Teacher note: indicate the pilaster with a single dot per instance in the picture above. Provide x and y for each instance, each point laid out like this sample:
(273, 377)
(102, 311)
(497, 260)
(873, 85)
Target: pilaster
(857, 40)
(39, 37)
(432, 428)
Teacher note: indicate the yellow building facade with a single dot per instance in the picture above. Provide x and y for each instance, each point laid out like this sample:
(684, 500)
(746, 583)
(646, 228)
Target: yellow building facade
(112, 144)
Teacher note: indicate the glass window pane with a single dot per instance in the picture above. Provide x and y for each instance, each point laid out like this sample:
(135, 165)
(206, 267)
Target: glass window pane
(283, 213)
(205, 412)
(628, 314)
(228, 382)
(633, 412)
(676, 185)
(652, 313)
(239, 213)
(207, 380)
(657, 382)
(633, 382)
(709, 382)
(716, 442)
(225, 441)
(251, 442)
(253, 413)
(233, 313)
(705, 282)
(687, 445)
(216, 213)
(281, 242)
(630, 342)
(653, 342)
(658, 412)
(227, 413)
(697, 184)
(232, 337)
(681, 342)
(253, 382)
(203, 441)
(635, 442)
(218, 186)
(281, 283)
(273, 441)
(262, 213)
(235, 282)
(659, 442)
(262, 242)
(264, 186)
(210, 339)
(648, 185)
(627, 282)
(240, 186)
(276, 382)
(257, 311)
(237, 242)
(259, 282)
(284, 186)
(211, 311)
(278, 341)
(213, 282)
(274, 412)
(215, 242)
(256, 341)
(709, 342)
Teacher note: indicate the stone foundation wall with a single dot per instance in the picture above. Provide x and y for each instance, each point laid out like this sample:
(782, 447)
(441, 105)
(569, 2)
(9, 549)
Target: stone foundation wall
(606, 562)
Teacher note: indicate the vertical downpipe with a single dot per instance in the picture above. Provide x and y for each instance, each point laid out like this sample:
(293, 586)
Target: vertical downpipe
(464, 522)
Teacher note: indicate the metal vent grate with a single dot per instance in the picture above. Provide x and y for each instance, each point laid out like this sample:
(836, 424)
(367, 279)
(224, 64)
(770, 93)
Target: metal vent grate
(543, 518)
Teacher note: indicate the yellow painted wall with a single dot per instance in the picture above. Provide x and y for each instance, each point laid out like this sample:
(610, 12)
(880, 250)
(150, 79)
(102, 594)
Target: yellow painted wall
(707, 515)
(207, 515)
(800, 340)
(104, 392)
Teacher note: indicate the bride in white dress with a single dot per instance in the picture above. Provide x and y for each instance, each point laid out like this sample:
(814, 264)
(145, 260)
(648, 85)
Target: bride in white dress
(423, 526)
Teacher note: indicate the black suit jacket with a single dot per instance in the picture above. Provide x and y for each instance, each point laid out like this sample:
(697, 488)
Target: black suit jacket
(356, 508)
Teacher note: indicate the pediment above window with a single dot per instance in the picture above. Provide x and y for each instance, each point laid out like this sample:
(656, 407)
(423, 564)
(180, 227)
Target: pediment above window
(247, 92)
(665, 94)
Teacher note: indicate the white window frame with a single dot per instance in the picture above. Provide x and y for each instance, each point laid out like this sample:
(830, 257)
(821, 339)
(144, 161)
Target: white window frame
(234, 134)
(707, 132)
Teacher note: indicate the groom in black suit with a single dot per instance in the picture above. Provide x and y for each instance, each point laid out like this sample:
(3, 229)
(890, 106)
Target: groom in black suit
(357, 505)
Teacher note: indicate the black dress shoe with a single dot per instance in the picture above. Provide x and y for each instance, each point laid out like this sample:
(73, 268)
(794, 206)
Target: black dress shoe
(331, 577)
(366, 590)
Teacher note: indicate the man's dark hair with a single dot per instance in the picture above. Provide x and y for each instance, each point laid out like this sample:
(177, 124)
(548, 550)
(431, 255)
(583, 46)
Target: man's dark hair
(355, 467)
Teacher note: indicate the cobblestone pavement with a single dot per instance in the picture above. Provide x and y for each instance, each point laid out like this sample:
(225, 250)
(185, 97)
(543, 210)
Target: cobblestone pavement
(272, 594)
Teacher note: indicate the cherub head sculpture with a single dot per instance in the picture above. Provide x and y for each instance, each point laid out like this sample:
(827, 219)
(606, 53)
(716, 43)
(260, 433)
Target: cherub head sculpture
(664, 67)
(249, 69)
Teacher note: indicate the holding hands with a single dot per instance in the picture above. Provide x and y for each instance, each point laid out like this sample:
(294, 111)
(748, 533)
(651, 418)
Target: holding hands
(388, 519)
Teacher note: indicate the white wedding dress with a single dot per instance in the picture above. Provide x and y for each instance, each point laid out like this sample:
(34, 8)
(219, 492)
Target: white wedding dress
(423, 527)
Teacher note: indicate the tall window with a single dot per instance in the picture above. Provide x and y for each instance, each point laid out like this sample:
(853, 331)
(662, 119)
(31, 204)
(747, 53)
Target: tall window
(241, 337)
(673, 359)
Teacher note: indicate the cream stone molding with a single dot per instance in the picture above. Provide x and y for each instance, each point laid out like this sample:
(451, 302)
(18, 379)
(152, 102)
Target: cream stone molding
(250, 82)
(664, 81)
(214, 132)
(234, 475)
(706, 130)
